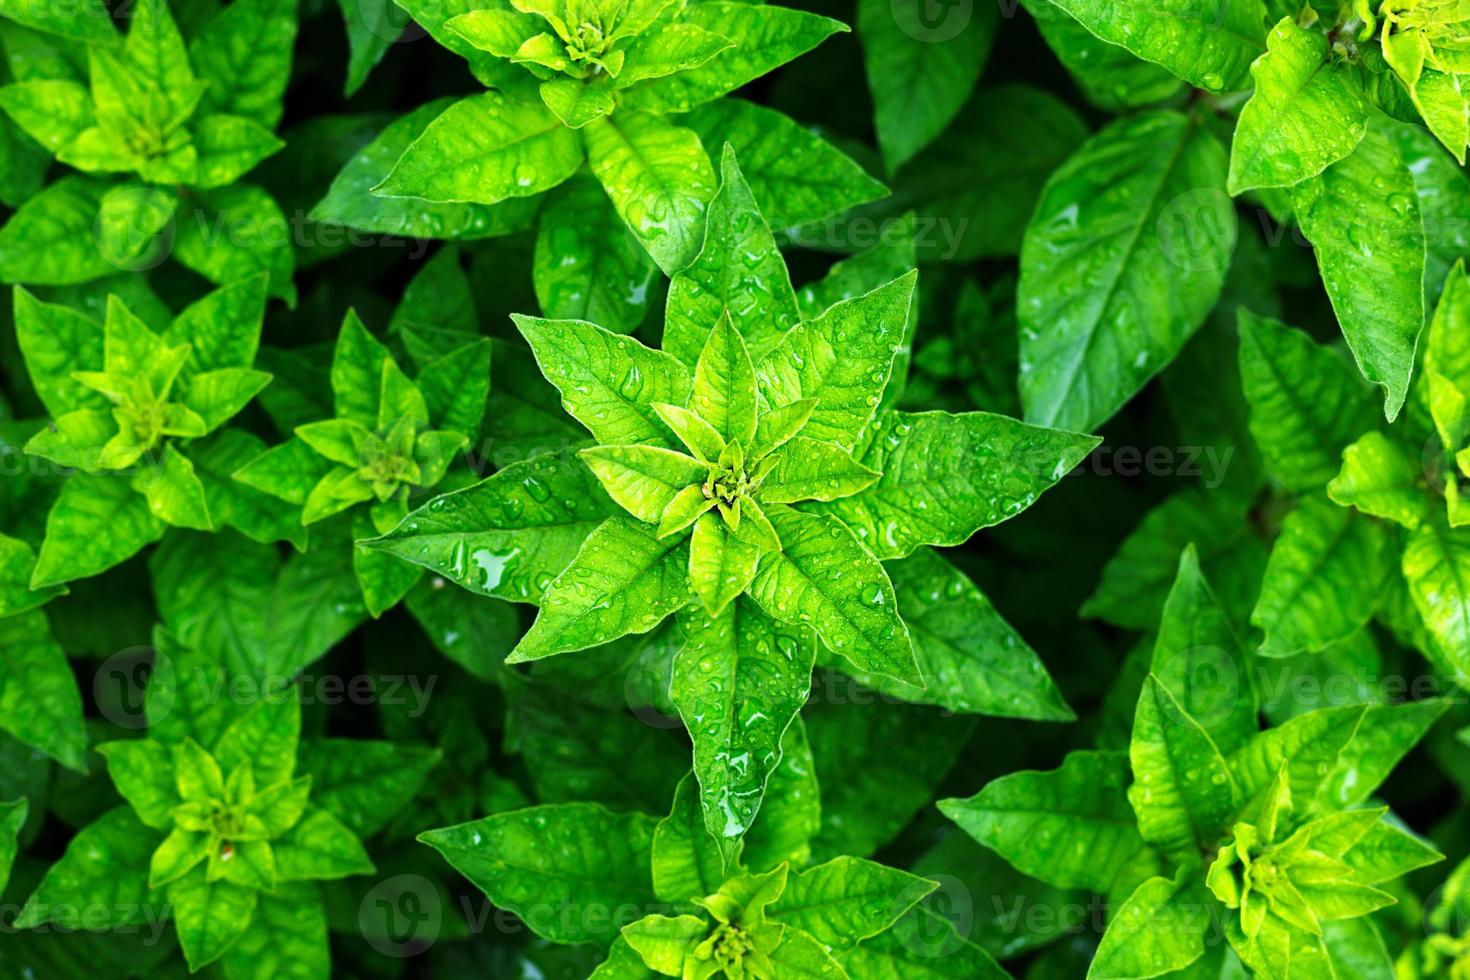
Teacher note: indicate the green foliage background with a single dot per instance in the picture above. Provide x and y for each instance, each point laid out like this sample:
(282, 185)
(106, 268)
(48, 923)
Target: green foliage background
(632, 488)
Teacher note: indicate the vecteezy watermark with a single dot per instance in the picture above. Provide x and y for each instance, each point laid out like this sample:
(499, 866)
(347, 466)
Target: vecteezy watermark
(136, 240)
(143, 919)
(140, 685)
(401, 916)
(932, 234)
(932, 21)
(1208, 463)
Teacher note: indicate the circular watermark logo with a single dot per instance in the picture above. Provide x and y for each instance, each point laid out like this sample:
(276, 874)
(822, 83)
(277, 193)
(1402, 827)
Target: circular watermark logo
(120, 688)
(932, 21)
(1195, 230)
(401, 916)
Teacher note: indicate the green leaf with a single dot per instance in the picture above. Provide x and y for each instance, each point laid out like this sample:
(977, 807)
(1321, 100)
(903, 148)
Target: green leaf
(87, 21)
(794, 174)
(320, 847)
(1302, 751)
(287, 937)
(230, 147)
(266, 735)
(947, 476)
(142, 771)
(39, 701)
(587, 265)
(739, 272)
(801, 955)
(765, 38)
(1210, 45)
(236, 232)
(972, 660)
(51, 111)
(483, 150)
(855, 613)
(846, 900)
(1306, 405)
(1123, 259)
(105, 868)
(510, 535)
(664, 942)
(667, 50)
(55, 341)
(686, 860)
(1070, 827)
(350, 202)
(623, 580)
(739, 680)
(1160, 929)
(17, 565)
(878, 764)
(209, 916)
(791, 811)
(245, 56)
(919, 72)
(547, 856)
(1323, 580)
(1306, 114)
(659, 179)
(1362, 216)
(12, 818)
(360, 782)
(96, 523)
(1383, 738)
(643, 479)
(1378, 479)
(1182, 790)
(174, 494)
(1436, 564)
(1199, 658)
(1108, 75)
(843, 358)
(48, 241)
(608, 382)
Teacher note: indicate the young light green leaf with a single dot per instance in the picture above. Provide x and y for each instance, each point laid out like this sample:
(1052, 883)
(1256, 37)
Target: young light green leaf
(623, 580)
(843, 358)
(1323, 580)
(1160, 929)
(1362, 216)
(483, 150)
(738, 681)
(1378, 479)
(608, 382)
(659, 179)
(855, 614)
(1306, 114)
(1182, 790)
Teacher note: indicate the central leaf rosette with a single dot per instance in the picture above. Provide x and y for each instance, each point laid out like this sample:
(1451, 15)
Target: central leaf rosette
(741, 458)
